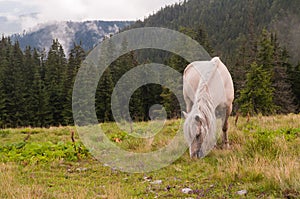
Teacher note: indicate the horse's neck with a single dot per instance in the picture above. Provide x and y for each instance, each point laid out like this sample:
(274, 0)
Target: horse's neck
(202, 93)
(205, 106)
(203, 98)
(213, 88)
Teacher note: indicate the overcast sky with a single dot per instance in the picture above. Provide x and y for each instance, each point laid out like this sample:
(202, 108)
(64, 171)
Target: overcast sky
(19, 15)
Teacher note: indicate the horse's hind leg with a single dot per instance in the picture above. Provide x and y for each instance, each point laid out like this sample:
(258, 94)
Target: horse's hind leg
(225, 128)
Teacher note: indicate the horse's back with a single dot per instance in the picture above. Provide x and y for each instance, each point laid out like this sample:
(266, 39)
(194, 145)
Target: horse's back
(212, 73)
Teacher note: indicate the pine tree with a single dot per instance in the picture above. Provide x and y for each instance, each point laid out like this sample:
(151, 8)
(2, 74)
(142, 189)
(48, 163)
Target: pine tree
(38, 92)
(251, 41)
(136, 101)
(27, 76)
(199, 34)
(4, 65)
(284, 97)
(119, 68)
(241, 63)
(76, 57)
(103, 97)
(294, 75)
(169, 100)
(55, 72)
(13, 82)
(266, 51)
(257, 95)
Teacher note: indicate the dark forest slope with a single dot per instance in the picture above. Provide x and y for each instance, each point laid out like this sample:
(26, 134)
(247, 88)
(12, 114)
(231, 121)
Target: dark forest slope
(229, 22)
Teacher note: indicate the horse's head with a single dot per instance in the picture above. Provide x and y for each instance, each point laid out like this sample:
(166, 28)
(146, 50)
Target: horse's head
(195, 130)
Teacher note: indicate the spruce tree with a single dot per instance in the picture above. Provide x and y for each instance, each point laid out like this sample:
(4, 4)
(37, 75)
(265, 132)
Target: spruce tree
(119, 68)
(266, 51)
(4, 65)
(28, 71)
(294, 75)
(284, 97)
(76, 57)
(103, 97)
(136, 101)
(13, 83)
(55, 71)
(257, 95)
(169, 100)
(38, 92)
(199, 34)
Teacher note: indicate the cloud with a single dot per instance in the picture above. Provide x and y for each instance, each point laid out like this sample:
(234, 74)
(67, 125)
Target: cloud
(59, 10)
(27, 14)
(7, 27)
(124, 9)
(105, 10)
(13, 14)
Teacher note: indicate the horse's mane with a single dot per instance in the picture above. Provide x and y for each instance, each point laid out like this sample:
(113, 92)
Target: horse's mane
(204, 104)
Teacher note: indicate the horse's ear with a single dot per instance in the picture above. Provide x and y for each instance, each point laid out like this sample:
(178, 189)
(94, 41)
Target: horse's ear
(185, 115)
(216, 61)
(198, 119)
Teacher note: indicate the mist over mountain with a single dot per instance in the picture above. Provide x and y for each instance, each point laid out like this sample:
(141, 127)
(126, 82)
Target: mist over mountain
(88, 33)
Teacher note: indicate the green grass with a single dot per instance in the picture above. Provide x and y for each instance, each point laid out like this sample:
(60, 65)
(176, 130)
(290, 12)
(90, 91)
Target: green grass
(264, 159)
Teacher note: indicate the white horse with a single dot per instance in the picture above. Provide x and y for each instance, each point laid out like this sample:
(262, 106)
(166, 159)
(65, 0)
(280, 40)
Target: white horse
(208, 93)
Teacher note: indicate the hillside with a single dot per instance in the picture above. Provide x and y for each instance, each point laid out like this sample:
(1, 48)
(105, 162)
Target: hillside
(229, 23)
(245, 33)
(88, 33)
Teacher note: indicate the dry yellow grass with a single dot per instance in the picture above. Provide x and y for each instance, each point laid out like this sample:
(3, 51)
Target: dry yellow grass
(12, 188)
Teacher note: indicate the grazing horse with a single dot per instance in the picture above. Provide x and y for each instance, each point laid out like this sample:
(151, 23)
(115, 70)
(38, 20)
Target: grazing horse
(208, 93)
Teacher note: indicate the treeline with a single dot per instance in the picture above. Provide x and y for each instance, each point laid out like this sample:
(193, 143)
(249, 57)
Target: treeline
(36, 87)
(265, 81)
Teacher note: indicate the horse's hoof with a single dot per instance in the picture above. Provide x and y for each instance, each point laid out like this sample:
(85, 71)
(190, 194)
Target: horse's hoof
(226, 146)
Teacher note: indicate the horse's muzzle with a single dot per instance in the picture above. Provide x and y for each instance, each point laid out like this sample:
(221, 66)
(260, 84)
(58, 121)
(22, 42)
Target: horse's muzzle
(197, 154)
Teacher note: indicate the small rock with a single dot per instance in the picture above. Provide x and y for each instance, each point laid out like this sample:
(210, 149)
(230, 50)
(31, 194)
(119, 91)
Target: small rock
(156, 182)
(117, 140)
(242, 192)
(178, 169)
(187, 190)
(81, 169)
(148, 178)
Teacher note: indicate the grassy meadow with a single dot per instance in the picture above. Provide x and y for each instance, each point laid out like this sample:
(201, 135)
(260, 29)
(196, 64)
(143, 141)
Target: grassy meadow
(263, 162)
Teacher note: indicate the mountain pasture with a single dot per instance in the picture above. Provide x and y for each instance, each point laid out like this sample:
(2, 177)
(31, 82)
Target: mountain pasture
(263, 162)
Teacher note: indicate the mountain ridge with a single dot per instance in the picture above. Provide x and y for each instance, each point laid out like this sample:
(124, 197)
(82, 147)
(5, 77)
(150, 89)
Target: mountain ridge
(87, 33)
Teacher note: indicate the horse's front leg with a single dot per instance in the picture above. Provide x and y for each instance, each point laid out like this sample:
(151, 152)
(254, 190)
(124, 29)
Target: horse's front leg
(225, 128)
